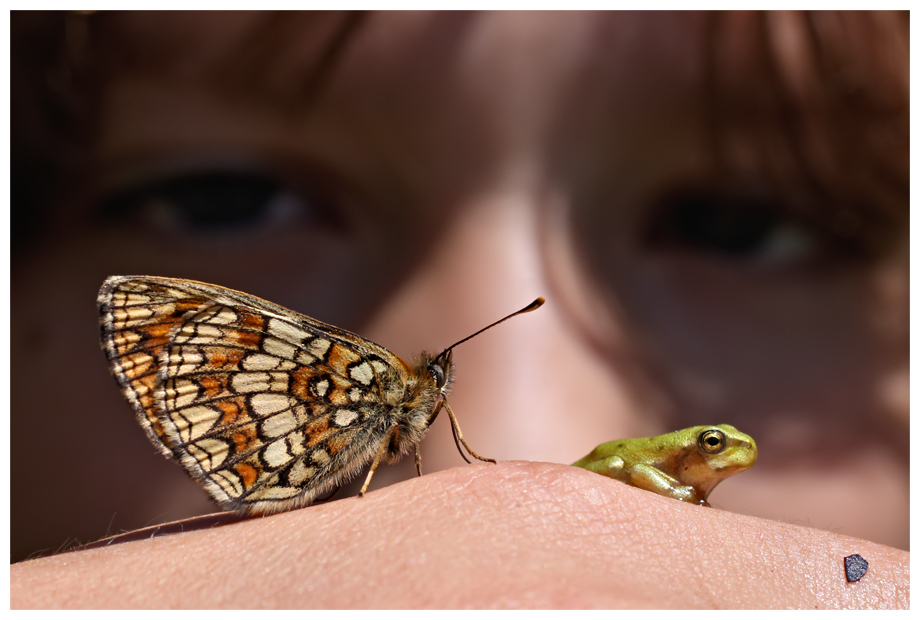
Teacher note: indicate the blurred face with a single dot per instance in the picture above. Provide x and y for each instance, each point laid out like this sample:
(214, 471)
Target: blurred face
(441, 172)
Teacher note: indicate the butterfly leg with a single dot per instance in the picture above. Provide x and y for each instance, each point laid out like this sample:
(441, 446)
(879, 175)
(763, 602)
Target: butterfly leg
(453, 431)
(418, 460)
(387, 438)
(455, 426)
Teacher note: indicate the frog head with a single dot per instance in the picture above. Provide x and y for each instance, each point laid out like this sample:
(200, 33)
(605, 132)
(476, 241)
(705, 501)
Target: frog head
(720, 451)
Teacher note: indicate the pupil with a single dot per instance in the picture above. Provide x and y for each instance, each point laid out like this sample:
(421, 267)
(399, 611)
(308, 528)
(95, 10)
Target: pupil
(714, 222)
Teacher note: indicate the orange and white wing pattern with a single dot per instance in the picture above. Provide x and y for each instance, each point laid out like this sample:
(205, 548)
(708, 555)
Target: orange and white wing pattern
(267, 408)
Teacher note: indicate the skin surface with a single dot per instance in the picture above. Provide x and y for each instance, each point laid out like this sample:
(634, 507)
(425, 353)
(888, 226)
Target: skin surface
(685, 465)
(570, 539)
(444, 171)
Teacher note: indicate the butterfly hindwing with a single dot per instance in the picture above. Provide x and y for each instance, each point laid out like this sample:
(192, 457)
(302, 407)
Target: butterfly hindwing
(258, 403)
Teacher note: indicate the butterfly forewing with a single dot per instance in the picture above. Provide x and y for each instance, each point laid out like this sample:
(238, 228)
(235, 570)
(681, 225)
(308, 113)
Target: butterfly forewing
(267, 408)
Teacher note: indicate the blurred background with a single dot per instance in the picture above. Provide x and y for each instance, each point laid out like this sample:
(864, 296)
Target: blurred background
(715, 206)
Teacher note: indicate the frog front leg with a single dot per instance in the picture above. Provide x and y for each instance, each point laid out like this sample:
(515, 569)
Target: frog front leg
(653, 479)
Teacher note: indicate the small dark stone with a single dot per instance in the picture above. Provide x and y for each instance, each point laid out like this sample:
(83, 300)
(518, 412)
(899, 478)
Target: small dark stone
(855, 566)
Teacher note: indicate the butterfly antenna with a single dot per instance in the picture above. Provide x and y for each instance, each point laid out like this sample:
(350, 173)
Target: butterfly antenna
(536, 303)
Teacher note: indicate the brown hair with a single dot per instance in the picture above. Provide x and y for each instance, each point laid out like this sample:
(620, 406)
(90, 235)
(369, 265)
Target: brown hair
(837, 86)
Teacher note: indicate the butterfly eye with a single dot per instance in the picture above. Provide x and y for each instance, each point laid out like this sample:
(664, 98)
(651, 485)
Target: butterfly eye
(438, 374)
(712, 441)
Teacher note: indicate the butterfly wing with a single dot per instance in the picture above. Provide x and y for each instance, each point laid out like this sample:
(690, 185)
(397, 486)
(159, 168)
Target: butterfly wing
(265, 407)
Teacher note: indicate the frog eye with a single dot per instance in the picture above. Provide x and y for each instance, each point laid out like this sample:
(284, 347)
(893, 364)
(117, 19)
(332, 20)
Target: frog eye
(712, 441)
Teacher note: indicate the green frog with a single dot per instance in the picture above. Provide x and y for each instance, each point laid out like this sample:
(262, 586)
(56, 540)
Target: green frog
(685, 465)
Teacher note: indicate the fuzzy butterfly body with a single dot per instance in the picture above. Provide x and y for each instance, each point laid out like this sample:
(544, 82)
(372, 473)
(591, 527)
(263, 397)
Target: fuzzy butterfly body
(266, 408)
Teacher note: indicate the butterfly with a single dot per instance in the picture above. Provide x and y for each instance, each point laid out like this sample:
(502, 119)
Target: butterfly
(266, 408)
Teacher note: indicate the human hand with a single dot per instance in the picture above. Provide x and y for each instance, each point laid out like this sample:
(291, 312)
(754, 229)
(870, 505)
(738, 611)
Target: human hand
(512, 535)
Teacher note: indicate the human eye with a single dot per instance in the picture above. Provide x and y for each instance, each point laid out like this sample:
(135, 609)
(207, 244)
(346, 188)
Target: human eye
(731, 225)
(757, 228)
(213, 202)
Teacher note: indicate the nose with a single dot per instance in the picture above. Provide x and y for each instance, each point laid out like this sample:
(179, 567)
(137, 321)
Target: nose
(530, 388)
